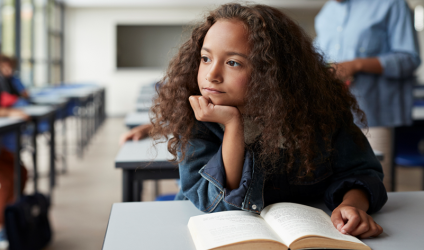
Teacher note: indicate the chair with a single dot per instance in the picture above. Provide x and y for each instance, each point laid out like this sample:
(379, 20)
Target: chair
(165, 197)
(409, 148)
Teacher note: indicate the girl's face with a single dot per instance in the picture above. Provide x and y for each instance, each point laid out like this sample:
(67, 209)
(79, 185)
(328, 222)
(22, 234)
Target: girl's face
(224, 70)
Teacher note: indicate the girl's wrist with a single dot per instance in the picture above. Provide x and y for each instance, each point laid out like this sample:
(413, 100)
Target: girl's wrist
(356, 198)
(234, 122)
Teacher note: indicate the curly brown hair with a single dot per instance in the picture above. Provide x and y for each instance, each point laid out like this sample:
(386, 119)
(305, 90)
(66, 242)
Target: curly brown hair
(292, 91)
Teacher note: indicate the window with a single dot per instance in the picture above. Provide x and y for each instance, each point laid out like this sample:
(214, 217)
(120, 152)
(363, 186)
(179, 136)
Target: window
(41, 39)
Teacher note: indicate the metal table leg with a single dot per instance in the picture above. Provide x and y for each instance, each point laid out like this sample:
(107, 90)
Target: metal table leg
(52, 154)
(34, 156)
(17, 167)
(127, 185)
(138, 190)
(393, 163)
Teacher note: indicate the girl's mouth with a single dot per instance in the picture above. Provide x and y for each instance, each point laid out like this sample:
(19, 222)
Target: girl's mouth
(212, 91)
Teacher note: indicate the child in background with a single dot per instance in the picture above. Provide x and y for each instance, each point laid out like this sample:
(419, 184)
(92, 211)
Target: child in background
(11, 84)
(258, 118)
(6, 174)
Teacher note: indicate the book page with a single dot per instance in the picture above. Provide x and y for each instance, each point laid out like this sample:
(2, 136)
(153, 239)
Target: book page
(222, 228)
(292, 221)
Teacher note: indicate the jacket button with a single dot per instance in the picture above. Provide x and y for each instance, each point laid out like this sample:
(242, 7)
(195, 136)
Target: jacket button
(253, 206)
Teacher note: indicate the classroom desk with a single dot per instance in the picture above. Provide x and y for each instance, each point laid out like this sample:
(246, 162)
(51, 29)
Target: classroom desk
(418, 122)
(135, 119)
(89, 102)
(146, 96)
(138, 161)
(14, 125)
(143, 105)
(60, 103)
(163, 224)
(379, 155)
(40, 113)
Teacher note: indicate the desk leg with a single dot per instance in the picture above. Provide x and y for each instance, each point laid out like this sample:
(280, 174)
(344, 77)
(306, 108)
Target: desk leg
(393, 162)
(52, 155)
(156, 188)
(137, 189)
(78, 121)
(17, 167)
(64, 143)
(34, 156)
(127, 185)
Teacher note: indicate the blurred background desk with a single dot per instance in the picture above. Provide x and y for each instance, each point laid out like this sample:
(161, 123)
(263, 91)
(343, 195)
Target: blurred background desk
(135, 119)
(139, 161)
(39, 114)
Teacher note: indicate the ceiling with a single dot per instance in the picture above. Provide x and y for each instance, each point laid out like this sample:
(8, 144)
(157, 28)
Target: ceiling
(312, 4)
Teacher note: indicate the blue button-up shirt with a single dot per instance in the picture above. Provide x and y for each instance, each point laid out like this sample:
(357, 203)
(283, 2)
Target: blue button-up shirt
(374, 28)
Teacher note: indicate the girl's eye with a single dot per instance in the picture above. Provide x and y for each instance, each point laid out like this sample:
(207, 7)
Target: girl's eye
(233, 64)
(205, 59)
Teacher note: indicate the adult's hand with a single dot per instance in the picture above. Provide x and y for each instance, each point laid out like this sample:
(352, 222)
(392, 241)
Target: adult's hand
(346, 70)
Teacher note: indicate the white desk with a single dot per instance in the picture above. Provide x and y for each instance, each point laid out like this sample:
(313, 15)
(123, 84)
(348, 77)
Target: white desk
(140, 161)
(135, 119)
(163, 225)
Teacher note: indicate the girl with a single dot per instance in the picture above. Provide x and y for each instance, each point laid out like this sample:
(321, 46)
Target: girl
(258, 118)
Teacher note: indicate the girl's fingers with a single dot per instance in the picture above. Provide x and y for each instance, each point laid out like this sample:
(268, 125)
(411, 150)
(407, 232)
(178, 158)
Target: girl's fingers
(194, 104)
(374, 229)
(363, 226)
(353, 218)
(337, 220)
(203, 103)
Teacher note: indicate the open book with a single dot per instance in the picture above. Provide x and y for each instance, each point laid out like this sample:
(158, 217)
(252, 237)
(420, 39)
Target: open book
(280, 226)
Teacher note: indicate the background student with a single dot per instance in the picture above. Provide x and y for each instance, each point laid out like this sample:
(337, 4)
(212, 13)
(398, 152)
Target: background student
(6, 173)
(257, 118)
(374, 46)
(11, 87)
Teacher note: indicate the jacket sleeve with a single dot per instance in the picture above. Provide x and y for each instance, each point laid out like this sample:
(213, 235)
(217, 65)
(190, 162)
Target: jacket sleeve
(355, 166)
(202, 174)
(403, 58)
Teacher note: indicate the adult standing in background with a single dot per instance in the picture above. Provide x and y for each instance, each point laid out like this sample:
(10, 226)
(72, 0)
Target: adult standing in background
(373, 46)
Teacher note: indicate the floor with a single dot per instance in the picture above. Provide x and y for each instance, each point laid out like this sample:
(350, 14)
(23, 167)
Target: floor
(84, 195)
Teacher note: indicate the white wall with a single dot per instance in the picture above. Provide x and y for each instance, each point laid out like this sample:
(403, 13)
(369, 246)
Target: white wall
(90, 50)
(90, 47)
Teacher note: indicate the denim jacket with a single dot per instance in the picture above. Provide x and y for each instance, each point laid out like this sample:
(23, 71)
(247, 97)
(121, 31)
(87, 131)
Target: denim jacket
(203, 176)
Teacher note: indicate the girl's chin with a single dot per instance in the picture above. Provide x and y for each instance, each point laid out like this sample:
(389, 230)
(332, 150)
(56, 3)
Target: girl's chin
(216, 100)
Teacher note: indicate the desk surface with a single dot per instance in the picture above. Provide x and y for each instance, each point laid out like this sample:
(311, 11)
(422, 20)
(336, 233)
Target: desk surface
(136, 154)
(143, 105)
(38, 111)
(163, 225)
(137, 118)
(8, 124)
(49, 100)
(73, 93)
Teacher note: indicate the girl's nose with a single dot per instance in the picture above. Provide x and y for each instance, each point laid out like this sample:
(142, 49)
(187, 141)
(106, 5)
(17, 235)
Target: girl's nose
(214, 75)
